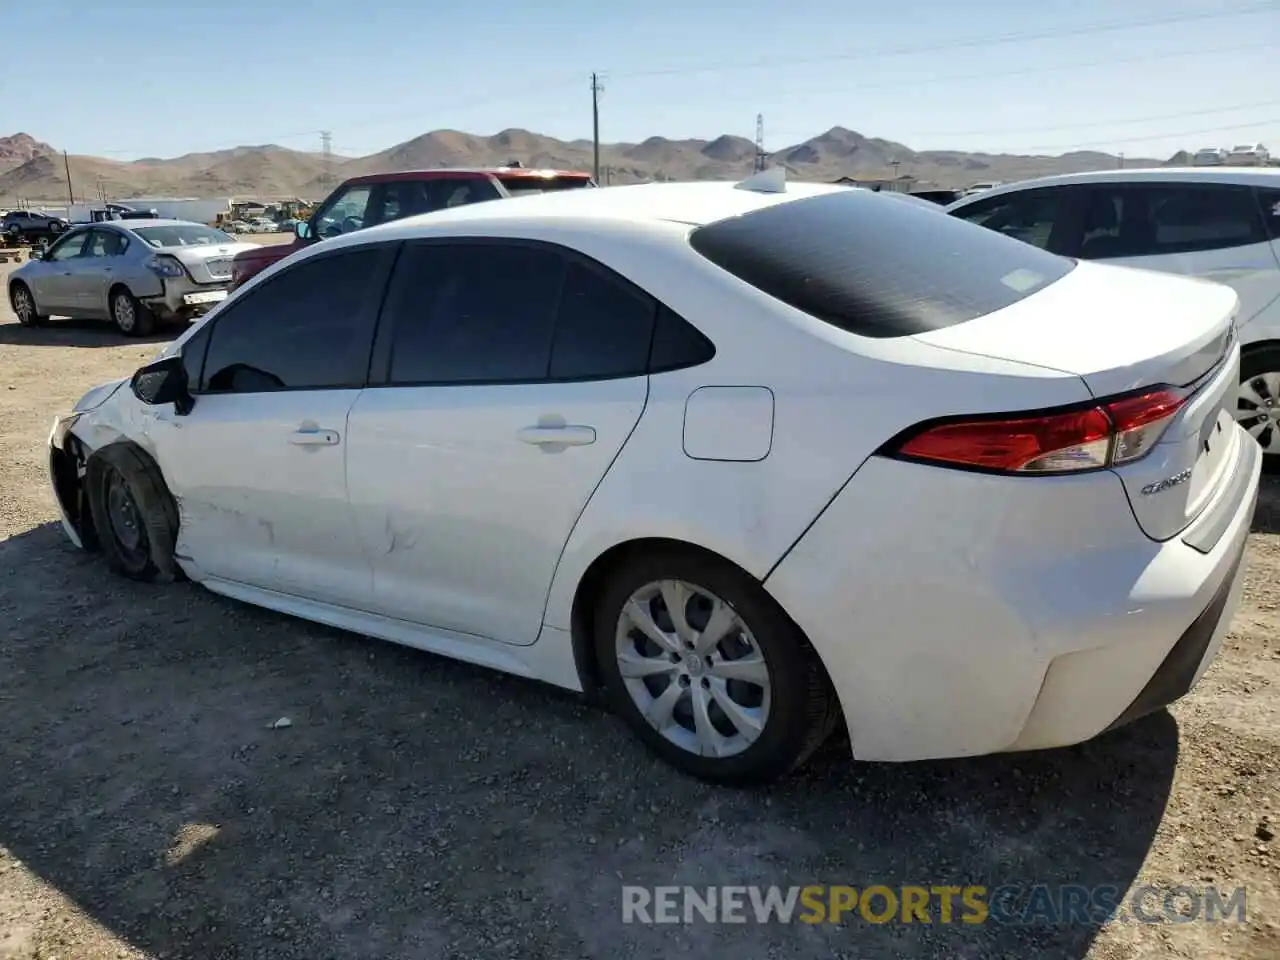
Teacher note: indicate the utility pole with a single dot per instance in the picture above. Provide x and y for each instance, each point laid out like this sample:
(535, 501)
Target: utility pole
(1120, 161)
(596, 90)
(71, 197)
(326, 152)
(762, 159)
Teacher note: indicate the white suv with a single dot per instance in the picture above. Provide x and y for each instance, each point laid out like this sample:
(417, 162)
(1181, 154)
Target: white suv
(1218, 224)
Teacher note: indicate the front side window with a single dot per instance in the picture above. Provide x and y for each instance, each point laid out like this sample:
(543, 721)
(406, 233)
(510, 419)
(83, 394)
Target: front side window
(876, 267)
(1029, 217)
(308, 328)
(345, 213)
(69, 246)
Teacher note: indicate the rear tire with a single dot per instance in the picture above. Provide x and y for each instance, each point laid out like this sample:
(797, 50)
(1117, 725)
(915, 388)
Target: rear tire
(23, 302)
(133, 512)
(130, 317)
(709, 719)
(1258, 401)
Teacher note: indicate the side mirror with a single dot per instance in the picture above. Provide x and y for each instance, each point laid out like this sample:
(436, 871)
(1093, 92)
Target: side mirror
(302, 230)
(161, 382)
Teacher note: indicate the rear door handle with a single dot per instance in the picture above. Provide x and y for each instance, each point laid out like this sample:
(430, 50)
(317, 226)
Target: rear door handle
(569, 435)
(314, 438)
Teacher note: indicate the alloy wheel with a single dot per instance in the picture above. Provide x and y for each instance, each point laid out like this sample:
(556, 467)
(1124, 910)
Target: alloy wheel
(125, 315)
(693, 668)
(23, 306)
(1258, 409)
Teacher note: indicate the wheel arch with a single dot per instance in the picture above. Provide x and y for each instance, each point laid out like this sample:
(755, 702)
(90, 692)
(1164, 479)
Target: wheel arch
(596, 575)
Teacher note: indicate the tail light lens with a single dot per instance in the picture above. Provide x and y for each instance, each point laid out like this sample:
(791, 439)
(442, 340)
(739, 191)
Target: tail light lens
(163, 265)
(1112, 433)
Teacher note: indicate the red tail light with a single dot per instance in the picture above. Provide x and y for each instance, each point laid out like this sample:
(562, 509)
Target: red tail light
(1113, 432)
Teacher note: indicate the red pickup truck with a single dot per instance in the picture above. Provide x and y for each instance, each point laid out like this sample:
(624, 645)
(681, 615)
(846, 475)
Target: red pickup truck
(381, 197)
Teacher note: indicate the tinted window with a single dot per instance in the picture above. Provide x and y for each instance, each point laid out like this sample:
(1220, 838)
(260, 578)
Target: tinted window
(454, 192)
(473, 313)
(1029, 217)
(677, 344)
(604, 328)
(307, 328)
(876, 267)
(1269, 201)
(1140, 221)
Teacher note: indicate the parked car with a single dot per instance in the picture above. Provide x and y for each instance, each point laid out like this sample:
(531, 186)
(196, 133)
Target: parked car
(743, 460)
(1209, 157)
(1249, 155)
(26, 226)
(942, 197)
(1217, 224)
(382, 197)
(134, 274)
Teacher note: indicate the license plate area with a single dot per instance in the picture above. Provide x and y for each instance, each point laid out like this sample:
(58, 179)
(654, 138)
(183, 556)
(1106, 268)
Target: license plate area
(219, 269)
(205, 296)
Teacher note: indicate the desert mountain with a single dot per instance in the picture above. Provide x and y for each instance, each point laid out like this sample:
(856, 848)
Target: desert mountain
(33, 170)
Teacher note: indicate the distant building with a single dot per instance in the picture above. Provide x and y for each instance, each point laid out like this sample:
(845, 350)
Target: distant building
(903, 184)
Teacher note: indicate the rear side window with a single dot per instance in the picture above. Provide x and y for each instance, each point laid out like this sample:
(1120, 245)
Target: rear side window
(473, 313)
(1147, 221)
(523, 185)
(490, 313)
(1269, 200)
(876, 267)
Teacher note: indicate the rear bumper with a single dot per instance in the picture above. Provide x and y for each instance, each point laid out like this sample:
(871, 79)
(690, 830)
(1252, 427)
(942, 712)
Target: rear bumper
(184, 297)
(1005, 614)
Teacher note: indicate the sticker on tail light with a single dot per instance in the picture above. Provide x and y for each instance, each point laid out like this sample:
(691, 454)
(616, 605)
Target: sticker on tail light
(1108, 433)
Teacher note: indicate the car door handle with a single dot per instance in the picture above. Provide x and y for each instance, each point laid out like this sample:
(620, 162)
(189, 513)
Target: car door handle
(314, 438)
(569, 435)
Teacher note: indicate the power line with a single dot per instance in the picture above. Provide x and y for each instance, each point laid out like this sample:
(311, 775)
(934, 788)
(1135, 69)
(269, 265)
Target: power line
(1029, 71)
(1156, 136)
(989, 40)
(1092, 125)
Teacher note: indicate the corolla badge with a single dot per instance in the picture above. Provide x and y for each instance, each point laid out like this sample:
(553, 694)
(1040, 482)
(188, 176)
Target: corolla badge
(1168, 483)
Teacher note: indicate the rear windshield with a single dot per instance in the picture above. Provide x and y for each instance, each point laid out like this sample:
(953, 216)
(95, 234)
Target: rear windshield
(877, 268)
(523, 186)
(182, 235)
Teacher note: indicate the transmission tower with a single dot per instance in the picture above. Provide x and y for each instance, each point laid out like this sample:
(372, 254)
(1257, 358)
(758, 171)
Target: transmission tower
(326, 152)
(762, 158)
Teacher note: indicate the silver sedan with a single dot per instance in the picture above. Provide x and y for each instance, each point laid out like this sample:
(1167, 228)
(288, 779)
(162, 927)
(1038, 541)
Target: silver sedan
(134, 276)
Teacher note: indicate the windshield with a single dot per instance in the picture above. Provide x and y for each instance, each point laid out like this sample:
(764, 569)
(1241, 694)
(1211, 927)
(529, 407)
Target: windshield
(874, 267)
(523, 186)
(182, 235)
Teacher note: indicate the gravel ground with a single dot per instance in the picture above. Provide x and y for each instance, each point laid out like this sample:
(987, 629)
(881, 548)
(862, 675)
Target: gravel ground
(147, 810)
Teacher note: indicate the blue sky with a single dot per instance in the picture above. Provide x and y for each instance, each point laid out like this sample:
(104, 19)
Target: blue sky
(136, 78)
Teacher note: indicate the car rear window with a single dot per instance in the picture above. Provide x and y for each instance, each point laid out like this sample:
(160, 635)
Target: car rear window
(523, 186)
(182, 235)
(876, 268)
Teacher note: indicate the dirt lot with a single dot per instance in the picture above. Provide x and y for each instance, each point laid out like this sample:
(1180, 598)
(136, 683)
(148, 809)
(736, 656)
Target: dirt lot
(419, 808)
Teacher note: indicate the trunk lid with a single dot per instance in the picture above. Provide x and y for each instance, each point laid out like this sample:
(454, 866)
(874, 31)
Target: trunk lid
(207, 263)
(1121, 330)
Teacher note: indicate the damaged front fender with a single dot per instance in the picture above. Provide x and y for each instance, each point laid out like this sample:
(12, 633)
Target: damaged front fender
(103, 416)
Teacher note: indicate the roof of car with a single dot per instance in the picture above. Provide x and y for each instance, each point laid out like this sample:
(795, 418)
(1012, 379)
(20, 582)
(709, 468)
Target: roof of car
(688, 203)
(450, 173)
(141, 222)
(1253, 176)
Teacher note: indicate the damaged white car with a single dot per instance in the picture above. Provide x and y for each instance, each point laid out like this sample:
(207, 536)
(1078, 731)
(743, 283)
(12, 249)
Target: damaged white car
(746, 462)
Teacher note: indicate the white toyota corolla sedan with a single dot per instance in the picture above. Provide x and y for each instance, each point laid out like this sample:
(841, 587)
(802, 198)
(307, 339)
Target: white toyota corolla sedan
(748, 462)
